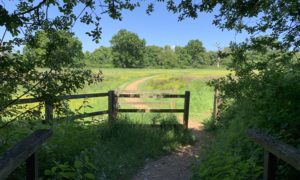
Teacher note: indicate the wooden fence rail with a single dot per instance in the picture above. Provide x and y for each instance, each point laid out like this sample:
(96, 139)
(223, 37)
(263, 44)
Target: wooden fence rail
(113, 104)
(152, 110)
(25, 150)
(274, 149)
(151, 95)
(185, 110)
(65, 97)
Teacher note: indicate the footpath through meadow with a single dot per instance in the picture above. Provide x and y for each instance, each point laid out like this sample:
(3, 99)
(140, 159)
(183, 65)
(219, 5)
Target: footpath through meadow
(178, 164)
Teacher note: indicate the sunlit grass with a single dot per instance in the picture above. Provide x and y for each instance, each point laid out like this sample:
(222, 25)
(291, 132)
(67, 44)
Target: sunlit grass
(119, 151)
(176, 80)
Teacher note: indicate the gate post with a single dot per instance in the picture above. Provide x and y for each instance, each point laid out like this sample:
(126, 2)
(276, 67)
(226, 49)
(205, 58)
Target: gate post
(32, 167)
(186, 109)
(216, 109)
(269, 166)
(48, 112)
(111, 106)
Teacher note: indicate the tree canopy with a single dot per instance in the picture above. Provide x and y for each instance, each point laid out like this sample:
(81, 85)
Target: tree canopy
(280, 17)
(54, 49)
(196, 50)
(152, 56)
(100, 57)
(128, 49)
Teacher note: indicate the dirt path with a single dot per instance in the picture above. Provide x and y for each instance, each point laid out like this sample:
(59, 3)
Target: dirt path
(133, 87)
(177, 165)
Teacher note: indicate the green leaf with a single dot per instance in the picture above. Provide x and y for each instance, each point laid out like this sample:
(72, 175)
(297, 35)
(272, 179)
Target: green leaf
(89, 175)
(47, 172)
(77, 164)
(67, 174)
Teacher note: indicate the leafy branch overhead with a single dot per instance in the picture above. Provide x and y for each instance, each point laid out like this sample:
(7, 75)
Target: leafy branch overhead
(281, 18)
(31, 16)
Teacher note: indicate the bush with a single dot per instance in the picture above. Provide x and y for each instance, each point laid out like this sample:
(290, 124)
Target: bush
(263, 94)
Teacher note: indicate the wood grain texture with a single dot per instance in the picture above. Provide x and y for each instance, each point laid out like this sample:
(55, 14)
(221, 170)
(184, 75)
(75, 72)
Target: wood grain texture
(281, 150)
(20, 152)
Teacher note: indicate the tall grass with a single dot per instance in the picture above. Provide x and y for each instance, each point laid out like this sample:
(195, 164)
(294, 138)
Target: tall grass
(99, 150)
(201, 101)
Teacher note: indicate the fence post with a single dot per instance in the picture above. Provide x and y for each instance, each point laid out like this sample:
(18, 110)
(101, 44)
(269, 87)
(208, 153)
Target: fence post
(186, 109)
(115, 112)
(216, 109)
(269, 166)
(48, 112)
(111, 106)
(32, 167)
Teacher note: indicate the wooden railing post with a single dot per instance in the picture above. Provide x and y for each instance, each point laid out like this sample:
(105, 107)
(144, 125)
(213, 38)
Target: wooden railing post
(186, 109)
(216, 103)
(269, 166)
(25, 150)
(32, 167)
(111, 107)
(48, 112)
(115, 113)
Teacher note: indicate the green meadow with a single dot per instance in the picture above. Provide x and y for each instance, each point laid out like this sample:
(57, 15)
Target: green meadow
(174, 80)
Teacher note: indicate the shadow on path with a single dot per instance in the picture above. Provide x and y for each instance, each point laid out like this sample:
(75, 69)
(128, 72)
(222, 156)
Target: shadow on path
(177, 165)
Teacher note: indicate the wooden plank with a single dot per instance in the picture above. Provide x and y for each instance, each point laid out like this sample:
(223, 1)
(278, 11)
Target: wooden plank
(146, 103)
(152, 110)
(151, 96)
(85, 115)
(48, 112)
(27, 101)
(269, 166)
(80, 96)
(111, 106)
(76, 96)
(13, 157)
(145, 92)
(215, 111)
(32, 167)
(116, 106)
(281, 150)
(186, 109)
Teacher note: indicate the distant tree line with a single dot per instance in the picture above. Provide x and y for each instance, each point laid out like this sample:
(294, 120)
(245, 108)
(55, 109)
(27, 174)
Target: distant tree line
(128, 50)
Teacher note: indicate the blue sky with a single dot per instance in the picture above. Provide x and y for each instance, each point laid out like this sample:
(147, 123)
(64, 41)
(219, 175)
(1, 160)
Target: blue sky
(160, 28)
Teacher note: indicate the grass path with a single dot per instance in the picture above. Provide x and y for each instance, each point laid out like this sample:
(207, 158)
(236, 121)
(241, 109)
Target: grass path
(177, 165)
(133, 86)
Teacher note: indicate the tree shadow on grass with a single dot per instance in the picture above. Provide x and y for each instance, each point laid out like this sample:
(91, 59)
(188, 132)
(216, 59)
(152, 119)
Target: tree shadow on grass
(106, 151)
